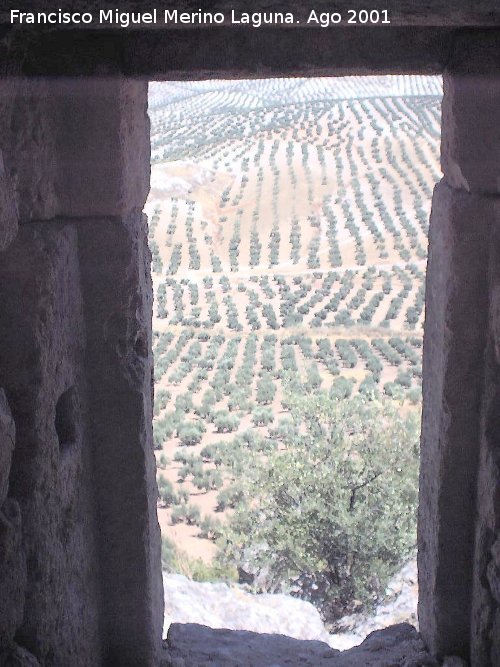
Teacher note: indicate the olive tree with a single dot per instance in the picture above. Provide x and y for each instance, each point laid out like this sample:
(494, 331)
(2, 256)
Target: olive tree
(333, 511)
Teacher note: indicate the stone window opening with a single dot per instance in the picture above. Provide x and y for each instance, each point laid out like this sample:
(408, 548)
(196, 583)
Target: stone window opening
(216, 275)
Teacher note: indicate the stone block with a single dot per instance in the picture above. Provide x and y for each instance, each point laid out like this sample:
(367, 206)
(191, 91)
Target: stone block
(7, 438)
(194, 644)
(191, 644)
(117, 292)
(485, 616)
(72, 147)
(455, 334)
(8, 209)
(102, 146)
(470, 133)
(16, 656)
(41, 357)
(12, 571)
(27, 143)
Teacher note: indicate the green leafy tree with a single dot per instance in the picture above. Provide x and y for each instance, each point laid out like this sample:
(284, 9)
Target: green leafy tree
(262, 416)
(166, 491)
(333, 512)
(225, 421)
(266, 389)
(341, 387)
(213, 313)
(255, 247)
(313, 377)
(191, 433)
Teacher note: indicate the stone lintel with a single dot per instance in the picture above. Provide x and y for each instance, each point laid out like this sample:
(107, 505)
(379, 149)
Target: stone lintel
(237, 52)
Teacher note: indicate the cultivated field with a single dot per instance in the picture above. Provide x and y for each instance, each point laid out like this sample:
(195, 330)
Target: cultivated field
(288, 227)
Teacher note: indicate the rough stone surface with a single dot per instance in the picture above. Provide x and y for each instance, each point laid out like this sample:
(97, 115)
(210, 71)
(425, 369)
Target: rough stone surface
(41, 356)
(12, 571)
(232, 607)
(470, 143)
(12, 560)
(453, 371)
(453, 661)
(8, 212)
(16, 656)
(79, 537)
(102, 146)
(7, 438)
(81, 396)
(485, 628)
(117, 291)
(396, 645)
(190, 644)
(71, 148)
(27, 146)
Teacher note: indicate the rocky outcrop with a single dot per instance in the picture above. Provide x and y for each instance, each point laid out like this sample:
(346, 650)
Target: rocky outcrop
(278, 630)
(234, 608)
(399, 606)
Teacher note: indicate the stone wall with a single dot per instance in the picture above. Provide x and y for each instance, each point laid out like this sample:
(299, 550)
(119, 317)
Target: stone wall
(80, 576)
(460, 467)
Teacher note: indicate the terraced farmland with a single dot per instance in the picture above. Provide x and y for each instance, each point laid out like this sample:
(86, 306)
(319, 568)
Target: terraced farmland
(288, 228)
